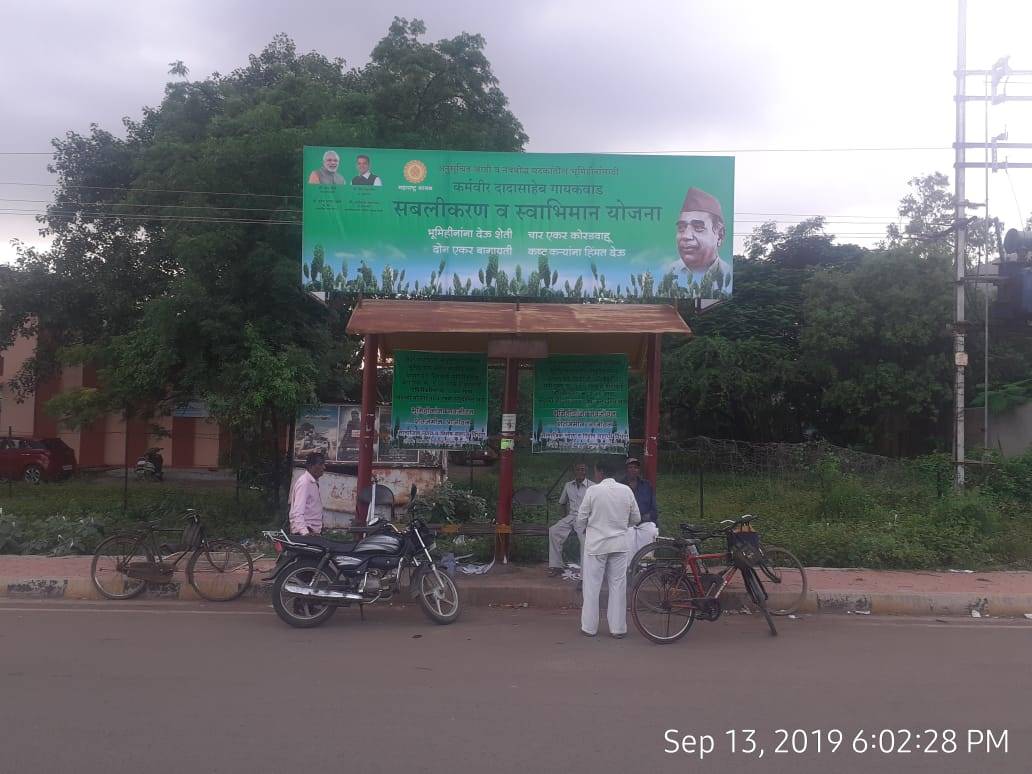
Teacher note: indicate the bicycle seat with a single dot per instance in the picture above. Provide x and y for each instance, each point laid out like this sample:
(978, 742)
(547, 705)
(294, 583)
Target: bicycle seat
(325, 543)
(695, 529)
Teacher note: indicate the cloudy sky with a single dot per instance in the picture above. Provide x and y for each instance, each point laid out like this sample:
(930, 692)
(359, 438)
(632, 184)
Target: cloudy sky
(761, 80)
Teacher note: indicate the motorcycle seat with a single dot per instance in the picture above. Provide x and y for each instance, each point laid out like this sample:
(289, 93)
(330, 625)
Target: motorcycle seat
(323, 542)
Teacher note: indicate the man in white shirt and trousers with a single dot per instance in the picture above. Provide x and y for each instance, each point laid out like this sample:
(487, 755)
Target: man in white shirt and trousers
(306, 508)
(607, 511)
(570, 499)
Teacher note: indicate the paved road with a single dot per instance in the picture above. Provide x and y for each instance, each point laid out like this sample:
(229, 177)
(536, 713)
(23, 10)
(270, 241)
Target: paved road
(173, 687)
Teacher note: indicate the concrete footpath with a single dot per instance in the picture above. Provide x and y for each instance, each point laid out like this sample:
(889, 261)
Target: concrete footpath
(850, 591)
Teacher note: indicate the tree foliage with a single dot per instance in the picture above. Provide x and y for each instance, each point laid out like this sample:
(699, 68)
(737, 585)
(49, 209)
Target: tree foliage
(876, 340)
(175, 258)
(929, 219)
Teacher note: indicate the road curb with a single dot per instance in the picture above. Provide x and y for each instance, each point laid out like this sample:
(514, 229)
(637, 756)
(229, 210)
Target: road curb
(486, 591)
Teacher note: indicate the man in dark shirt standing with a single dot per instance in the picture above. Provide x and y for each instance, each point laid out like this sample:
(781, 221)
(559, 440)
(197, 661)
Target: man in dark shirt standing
(643, 494)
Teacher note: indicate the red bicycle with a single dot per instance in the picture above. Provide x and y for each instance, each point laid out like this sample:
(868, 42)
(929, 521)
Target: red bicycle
(667, 598)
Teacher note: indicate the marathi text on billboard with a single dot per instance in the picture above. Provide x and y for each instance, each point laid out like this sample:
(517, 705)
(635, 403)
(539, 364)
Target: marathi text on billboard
(439, 400)
(580, 404)
(471, 224)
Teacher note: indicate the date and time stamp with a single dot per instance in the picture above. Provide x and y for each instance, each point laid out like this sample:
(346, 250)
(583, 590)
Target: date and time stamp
(835, 741)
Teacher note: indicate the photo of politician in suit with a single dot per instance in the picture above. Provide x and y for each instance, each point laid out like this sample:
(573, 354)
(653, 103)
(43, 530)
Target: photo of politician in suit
(364, 176)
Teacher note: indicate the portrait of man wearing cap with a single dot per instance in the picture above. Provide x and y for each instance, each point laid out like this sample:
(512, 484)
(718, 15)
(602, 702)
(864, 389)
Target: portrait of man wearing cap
(700, 234)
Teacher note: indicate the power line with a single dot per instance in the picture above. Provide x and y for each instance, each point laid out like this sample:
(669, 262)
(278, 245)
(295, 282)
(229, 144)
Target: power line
(161, 206)
(11, 212)
(213, 219)
(830, 220)
(875, 149)
(150, 190)
(202, 219)
(817, 215)
(782, 150)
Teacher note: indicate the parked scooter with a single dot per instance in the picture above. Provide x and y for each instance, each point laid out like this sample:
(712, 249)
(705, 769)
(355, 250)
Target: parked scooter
(149, 466)
(315, 575)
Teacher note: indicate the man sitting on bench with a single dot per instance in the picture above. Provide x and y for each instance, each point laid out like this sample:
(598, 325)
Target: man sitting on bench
(570, 501)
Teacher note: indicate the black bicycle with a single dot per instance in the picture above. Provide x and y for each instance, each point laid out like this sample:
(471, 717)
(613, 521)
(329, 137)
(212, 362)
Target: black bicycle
(217, 570)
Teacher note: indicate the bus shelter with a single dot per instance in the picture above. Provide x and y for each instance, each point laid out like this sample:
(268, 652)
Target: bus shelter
(511, 333)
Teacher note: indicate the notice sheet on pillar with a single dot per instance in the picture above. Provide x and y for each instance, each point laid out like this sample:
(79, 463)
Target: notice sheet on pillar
(440, 400)
(580, 404)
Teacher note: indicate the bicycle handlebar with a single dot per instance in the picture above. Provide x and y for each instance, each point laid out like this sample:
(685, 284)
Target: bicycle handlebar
(705, 533)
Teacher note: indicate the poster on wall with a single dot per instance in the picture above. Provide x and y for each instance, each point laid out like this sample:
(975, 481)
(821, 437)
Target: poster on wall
(384, 451)
(349, 431)
(335, 430)
(316, 430)
(580, 404)
(547, 225)
(439, 400)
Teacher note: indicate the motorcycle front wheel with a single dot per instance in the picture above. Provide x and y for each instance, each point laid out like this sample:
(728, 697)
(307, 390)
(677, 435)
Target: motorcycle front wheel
(437, 595)
(300, 611)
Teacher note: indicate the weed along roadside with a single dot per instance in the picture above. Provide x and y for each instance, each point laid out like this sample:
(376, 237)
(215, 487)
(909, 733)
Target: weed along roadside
(829, 514)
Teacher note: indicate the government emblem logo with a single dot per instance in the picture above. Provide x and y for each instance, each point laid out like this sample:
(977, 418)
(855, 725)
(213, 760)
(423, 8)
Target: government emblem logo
(415, 171)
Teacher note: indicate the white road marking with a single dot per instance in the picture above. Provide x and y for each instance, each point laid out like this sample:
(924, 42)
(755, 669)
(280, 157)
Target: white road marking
(146, 611)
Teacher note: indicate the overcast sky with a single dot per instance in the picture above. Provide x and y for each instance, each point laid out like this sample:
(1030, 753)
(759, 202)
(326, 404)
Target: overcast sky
(592, 75)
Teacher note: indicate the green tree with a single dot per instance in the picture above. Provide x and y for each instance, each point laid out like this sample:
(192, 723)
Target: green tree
(804, 244)
(875, 339)
(437, 95)
(175, 248)
(738, 377)
(929, 219)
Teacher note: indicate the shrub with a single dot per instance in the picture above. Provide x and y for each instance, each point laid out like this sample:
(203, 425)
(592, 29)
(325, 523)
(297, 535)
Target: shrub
(842, 496)
(446, 503)
(1011, 479)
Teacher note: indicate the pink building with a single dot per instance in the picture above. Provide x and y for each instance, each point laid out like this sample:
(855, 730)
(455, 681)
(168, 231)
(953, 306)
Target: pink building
(194, 440)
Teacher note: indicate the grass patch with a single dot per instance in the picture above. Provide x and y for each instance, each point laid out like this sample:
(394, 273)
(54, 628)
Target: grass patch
(902, 520)
(74, 516)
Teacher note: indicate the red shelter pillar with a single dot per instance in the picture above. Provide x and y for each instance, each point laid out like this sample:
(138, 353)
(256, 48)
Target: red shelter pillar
(652, 372)
(506, 463)
(367, 432)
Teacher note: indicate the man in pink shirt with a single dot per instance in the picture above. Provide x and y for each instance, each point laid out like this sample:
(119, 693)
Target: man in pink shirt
(306, 509)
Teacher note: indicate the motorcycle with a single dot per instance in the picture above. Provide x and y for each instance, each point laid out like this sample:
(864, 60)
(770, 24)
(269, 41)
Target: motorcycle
(149, 466)
(315, 575)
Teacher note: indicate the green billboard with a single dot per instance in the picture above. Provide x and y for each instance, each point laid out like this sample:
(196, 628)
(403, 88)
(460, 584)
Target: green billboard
(579, 226)
(580, 404)
(439, 400)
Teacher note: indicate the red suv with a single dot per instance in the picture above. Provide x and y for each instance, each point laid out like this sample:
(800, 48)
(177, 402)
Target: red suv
(35, 459)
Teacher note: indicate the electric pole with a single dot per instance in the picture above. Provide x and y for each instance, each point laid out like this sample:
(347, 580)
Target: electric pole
(997, 76)
(960, 220)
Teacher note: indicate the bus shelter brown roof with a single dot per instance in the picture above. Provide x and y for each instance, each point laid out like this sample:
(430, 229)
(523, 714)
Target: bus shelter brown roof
(470, 326)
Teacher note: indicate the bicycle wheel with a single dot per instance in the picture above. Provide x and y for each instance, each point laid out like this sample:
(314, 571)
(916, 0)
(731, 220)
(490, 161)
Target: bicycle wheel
(786, 579)
(111, 560)
(754, 586)
(659, 552)
(661, 605)
(220, 570)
